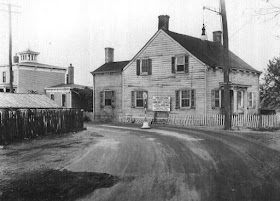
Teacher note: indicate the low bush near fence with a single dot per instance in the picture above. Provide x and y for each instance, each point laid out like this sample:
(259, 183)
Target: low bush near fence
(22, 124)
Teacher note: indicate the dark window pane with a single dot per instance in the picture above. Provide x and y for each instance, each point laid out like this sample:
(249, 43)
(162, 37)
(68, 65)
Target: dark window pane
(108, 102)
(216, 93)
(186, 94)
(139, 103)
(139, 94)
(145, 64)
(217, 103)
(180, 68)
(185, 103)
(63, 100)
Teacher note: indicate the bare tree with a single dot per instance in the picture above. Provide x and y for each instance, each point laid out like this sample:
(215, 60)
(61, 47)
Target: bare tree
(270, 10)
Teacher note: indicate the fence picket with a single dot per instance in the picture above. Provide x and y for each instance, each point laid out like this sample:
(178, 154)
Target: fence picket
(28, 123)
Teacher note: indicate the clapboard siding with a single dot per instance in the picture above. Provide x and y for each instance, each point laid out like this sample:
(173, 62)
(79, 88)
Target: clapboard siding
(163, 82)
(107, 81)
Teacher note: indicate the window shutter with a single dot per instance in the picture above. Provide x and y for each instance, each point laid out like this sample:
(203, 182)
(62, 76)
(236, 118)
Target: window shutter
(177, 99)
(138, 67)
(186, 63)
(173, 64)
(222, 98)
(254, 101)
(150, 67)
(213, 99)
(133, 99)
(147, 99)
(113, 99)
(193, 99)
(102, 99)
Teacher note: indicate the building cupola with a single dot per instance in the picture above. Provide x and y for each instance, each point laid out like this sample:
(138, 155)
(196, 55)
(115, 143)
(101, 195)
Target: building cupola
(28, 56)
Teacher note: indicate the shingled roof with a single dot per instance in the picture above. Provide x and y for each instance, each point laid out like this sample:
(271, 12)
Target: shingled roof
(10, 100)
(111, 67)
(72, 86)
(209, 52)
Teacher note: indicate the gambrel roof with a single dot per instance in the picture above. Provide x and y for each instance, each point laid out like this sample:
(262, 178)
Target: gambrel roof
(209, 52)
(111, 67)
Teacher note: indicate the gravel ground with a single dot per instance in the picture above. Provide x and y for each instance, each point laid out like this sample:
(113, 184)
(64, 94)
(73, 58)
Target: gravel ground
(123, 162)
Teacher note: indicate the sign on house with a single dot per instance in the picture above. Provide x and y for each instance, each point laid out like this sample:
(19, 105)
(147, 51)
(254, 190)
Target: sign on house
(161, 103)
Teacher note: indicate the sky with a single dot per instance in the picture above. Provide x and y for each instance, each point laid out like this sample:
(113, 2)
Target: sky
(77, 31)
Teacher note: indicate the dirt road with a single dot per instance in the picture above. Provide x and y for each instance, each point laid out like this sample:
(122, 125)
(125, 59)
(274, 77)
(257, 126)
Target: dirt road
(180, 164)
(161, 163)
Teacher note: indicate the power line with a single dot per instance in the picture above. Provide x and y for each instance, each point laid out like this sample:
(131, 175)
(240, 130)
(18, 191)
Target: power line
(241, 27)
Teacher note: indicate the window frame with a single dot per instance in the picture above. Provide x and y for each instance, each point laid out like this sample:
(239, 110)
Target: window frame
(136, 98)
(63, 102)
(52, 97)
(250, 99)
(191, 97)
(104, 96)
(185, 98)
(4, 76)
(241, 99)
(144, 63)
(185, 64)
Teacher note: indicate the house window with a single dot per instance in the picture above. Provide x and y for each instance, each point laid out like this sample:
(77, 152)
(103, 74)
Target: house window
(107, 98)
(144, 67)
(4, 77)
(137, 99)
(180, 64)
(52, 97)
(63, 100)
(185, 98)
(216, 98)
(251, 99)
(240, 99)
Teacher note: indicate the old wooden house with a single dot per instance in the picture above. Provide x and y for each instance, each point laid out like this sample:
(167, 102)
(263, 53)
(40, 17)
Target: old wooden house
(30, 76)
(185, 69)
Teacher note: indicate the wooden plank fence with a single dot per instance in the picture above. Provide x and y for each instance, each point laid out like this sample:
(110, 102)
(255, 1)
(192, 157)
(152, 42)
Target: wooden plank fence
(19, 124)
(238, 121)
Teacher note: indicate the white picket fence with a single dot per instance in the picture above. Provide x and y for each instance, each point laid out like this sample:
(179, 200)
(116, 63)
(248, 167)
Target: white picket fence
(238, 121)
(255, 121)
(196, 120)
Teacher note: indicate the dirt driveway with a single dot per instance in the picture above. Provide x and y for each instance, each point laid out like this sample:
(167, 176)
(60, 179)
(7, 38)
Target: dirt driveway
(157, 164)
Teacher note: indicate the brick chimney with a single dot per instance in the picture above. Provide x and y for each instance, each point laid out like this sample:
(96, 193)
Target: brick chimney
(217, 37)
(70, 75)
(109, 54)
(163, 22)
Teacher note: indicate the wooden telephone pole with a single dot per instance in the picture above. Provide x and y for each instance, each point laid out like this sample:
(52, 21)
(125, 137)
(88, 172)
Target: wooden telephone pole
(10, 43)
(227, 101)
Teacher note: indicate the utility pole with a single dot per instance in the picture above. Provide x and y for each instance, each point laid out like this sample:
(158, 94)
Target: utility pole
(10, 43)
(10, 49)
(227, 101)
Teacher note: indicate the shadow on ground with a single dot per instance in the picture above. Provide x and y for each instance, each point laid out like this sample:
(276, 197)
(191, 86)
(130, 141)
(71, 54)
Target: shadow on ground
(50, 185)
